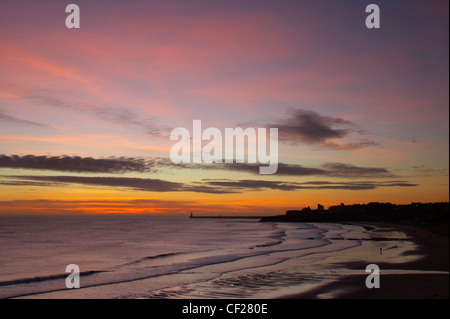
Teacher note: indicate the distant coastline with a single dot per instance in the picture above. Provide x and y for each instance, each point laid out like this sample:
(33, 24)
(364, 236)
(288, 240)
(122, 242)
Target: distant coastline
(433, 213)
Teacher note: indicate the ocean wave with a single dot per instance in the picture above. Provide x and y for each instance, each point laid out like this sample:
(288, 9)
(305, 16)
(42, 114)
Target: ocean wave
(143, 259)
(46, 278)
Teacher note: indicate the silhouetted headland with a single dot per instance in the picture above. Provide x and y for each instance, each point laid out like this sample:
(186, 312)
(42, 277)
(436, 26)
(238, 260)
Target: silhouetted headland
(373, 212)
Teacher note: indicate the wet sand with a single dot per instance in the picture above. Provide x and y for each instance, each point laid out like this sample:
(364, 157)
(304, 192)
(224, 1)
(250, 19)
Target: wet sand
(425, 276)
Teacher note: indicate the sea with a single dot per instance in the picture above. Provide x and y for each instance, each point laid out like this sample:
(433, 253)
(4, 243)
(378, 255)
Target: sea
(172, 256)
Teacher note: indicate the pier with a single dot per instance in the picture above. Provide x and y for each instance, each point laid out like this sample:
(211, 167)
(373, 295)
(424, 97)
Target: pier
(226, 216)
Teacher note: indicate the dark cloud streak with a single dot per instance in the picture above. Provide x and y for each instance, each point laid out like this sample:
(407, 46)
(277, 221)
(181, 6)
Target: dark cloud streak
(292, 186)
(339, 170)
(208, 186)
(76, 163)
(12, 119)
(138, 184)
(116, 165)
(352, 171)
(155, 185)
(115, 114)
(309, 127)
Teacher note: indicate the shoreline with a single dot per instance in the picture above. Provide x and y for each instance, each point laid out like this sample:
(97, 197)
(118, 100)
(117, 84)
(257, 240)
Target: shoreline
(423, 278)
(412, 264)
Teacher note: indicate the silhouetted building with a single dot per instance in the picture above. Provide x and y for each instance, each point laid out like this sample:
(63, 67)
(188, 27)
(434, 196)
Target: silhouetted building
(374, 211)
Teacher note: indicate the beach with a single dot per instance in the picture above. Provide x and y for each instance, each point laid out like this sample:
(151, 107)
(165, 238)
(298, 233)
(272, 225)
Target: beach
(424, 277)
(220, 258)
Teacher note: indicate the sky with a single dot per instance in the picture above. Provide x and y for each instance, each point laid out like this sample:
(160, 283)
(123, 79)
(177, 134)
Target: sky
(86, 114)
